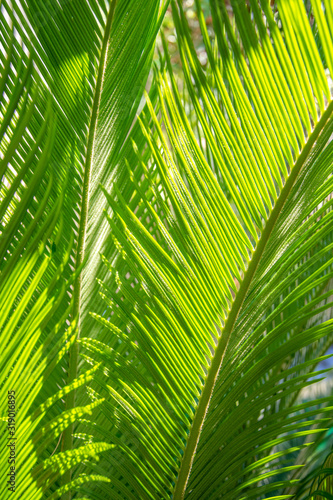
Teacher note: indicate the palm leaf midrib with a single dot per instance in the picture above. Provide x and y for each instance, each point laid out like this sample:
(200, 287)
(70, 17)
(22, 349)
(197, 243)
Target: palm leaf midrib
(208, 388)
(82, 230)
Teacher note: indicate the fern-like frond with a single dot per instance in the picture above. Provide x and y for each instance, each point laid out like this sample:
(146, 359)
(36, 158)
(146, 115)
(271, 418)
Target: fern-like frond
(228, 259)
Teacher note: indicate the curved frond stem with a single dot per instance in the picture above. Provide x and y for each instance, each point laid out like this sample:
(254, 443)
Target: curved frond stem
(212, 375)
(80, 256)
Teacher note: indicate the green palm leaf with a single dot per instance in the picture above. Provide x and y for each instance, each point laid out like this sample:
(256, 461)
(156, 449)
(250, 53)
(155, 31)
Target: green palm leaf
(165, 282)
(34, 336)
(207, 320)
(79, 52)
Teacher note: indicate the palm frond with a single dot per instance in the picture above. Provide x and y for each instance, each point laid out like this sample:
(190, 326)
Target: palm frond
(35, 332)
(204, 334)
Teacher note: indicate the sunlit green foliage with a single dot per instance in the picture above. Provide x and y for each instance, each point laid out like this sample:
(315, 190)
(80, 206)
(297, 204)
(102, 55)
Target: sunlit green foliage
(165, 286)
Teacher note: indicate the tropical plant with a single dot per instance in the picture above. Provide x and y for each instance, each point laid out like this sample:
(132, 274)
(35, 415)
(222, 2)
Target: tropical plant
(166, 280)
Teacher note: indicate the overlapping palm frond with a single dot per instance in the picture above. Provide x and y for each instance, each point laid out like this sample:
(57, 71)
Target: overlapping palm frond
(96, 57)
(216, 269)
(227, 264)
(35, 334)
(73, 75)
(317, 485)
